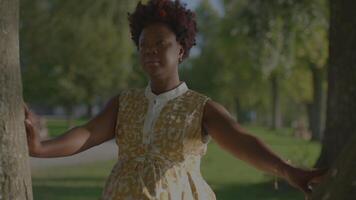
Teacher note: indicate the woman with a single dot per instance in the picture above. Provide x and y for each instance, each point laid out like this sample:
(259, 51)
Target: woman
(162, 131)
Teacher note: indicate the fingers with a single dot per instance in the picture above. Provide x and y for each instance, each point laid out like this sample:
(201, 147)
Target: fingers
(32, 117)
(26, 110)
(318, 175)
(29, 127)
(307, 189)
(28, 113)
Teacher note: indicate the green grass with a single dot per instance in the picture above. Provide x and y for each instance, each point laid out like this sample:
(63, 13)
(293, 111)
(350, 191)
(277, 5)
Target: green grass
(230, 178)
(57, 127)
(82, 182)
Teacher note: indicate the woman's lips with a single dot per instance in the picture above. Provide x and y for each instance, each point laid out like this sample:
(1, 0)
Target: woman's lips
(152, 62)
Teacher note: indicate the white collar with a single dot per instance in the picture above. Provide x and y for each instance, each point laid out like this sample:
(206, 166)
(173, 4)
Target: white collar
(168, 95)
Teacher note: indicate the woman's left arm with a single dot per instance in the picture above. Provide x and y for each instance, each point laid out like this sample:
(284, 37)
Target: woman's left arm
(230, 136)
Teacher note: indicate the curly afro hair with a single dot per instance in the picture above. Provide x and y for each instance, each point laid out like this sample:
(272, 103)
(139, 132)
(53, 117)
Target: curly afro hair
(172, 13)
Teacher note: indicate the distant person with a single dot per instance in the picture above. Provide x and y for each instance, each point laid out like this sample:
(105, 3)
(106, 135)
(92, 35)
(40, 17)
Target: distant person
(162, 131)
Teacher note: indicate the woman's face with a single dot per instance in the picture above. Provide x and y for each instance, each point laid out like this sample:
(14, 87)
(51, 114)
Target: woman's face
(159, 51)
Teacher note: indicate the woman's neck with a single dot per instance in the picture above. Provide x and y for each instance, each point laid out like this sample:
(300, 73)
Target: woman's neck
(160, 86)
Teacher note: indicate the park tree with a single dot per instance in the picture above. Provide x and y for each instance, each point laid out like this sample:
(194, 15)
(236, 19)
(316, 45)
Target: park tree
(338, 149)
(244, 79)
(341, 106)
(206, 61)
(282, 37)
(84, 50)
(269, 32)
(228, 76)
(312, 53)
(15, 177)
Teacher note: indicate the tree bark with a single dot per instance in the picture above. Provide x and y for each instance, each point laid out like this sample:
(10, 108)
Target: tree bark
(341, 102)
(339, 143)
(15, 175)
(276, 107)
(341, 181)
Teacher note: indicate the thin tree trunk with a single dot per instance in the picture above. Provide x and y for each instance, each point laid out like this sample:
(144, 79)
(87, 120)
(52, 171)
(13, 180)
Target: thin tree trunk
(276, 107)
(341, 102)
(89, 103)
(316, 107)
(70, 119)
(238, 110)
(15, 175)
(89, 110)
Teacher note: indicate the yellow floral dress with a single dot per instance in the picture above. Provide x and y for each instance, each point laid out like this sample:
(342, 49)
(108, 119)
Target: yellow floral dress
(161, 141)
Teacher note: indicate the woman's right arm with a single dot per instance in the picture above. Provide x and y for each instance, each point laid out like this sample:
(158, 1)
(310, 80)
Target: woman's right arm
(99, 129)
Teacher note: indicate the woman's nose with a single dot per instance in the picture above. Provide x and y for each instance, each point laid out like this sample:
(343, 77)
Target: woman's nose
(150, 50)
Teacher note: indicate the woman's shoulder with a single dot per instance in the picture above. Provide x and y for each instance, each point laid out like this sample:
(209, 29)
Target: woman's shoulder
(131, 92)
(197, 95)
(195, 98)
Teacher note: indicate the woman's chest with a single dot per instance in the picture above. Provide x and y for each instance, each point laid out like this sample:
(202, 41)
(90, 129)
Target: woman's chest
(167, 127)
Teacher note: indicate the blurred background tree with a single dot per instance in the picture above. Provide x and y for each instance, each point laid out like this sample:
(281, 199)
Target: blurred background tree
(256, 44)
(79, 53)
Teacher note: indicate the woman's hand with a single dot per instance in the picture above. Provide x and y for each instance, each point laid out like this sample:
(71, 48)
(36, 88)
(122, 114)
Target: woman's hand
(32, 125)
(304, 180)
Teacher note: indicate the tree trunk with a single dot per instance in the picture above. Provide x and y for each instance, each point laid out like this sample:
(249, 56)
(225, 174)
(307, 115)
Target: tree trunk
(15, 175)
(89, 110)
(276, 107)
(69, 115)
(341, 102)
(316, 107)
(341, 181)
(238, 110)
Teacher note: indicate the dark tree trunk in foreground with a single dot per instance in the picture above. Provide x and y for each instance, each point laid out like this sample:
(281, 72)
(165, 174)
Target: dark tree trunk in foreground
(339, 143)
(15, 178)
(341, 105)
(341, 182)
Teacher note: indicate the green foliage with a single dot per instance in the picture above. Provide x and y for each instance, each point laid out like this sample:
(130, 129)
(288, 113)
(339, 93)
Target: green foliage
(75, 53)
(222, 70)
(254, 41)
(81, 53)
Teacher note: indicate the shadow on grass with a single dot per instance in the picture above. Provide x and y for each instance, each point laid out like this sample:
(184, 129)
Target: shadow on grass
(258, 191)
(78, 188)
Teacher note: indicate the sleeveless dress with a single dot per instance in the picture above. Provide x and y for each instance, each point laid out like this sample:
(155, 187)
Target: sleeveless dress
(161, 141)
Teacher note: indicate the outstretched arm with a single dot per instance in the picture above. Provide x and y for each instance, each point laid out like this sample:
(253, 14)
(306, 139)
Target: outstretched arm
(75, 140)
(231, 136)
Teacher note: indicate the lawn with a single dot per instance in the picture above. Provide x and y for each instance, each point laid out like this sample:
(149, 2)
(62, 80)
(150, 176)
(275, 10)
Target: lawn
(230, 178)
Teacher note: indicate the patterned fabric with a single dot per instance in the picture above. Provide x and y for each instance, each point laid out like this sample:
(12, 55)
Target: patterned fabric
(165, 165)
(155, 105)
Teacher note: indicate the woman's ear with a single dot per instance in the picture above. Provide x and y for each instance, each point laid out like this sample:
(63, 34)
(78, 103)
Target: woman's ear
(181, 53)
